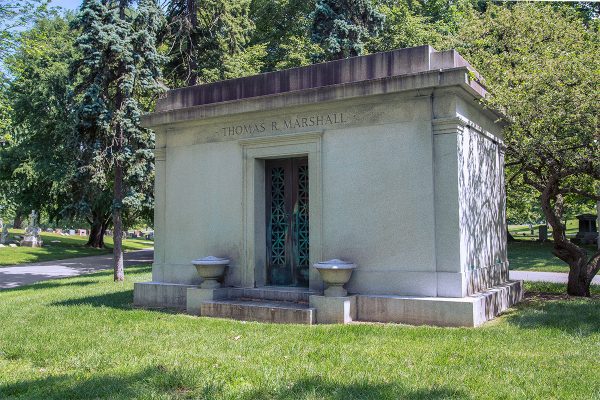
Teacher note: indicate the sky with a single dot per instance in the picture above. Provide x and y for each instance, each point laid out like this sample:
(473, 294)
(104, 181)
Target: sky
(66, 4)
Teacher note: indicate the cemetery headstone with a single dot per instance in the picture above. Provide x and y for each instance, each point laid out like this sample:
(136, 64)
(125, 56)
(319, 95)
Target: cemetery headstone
(588, 230)
(32, 236)
(4, 234)
(543, 233)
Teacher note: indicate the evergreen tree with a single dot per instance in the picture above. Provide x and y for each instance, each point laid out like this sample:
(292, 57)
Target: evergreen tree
(341, 27)
(117, 72)
(207, 41)
(183, 38)
(283, 26)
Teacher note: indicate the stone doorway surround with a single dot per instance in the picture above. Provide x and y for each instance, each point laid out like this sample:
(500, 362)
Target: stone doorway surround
(255, 152)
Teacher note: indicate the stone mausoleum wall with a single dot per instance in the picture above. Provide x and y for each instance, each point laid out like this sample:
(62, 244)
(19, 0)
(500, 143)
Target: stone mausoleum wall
(406, 173)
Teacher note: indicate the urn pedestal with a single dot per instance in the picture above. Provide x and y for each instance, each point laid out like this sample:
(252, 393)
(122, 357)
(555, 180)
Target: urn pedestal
(335, 273)
(211, 269)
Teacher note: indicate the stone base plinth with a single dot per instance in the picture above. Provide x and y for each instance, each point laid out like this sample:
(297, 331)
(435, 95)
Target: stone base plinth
(334, 310)
(160, 295)
(467, 311)
(195, 297)
(265, 304)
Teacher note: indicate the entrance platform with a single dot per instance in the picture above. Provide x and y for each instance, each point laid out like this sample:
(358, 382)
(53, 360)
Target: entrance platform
(294, 305)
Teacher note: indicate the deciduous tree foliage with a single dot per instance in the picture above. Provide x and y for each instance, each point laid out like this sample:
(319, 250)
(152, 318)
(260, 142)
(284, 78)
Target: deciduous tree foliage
(342, 27)
(119, 67)
(34, 165)
(541, 64)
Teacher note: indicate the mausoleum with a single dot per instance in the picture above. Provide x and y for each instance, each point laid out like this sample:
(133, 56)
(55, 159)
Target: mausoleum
(387, 162)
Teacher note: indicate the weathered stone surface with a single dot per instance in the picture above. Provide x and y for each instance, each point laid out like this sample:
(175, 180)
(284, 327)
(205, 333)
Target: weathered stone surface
(468, 311)
(160, 295)
(264, 311)
(195, 297)
(297, 295)
(334, 310)
(373, 66)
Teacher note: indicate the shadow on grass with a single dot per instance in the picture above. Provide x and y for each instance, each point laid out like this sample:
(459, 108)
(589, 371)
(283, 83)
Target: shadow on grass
(49, 285)
(82, 280)
(578, 317)
(316, 387)
(155, 382)
(122, 300)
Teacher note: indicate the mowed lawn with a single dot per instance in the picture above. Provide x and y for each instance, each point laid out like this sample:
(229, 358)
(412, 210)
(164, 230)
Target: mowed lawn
(57, 247)
(80, 338)
(524, 255)
(527, 254)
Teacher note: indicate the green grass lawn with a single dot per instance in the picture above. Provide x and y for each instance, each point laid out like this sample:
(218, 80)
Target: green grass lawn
(522, 232)
(66, 247)
(80, 338)
(524, 255)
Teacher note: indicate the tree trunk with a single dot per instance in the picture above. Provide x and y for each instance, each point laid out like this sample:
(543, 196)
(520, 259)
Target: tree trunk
(510, 237)
(578, 284)
(119, 274)
(18, 223)
(98, 226)
(96, 238)
(581, 270)
(193, 20)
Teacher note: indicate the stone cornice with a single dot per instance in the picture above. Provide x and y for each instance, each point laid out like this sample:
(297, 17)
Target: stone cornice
(454, 77)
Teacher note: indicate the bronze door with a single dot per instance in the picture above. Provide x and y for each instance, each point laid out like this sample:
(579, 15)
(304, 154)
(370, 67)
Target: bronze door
(287, 221)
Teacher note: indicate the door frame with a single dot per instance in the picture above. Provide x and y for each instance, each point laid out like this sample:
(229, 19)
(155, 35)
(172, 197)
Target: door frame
(254, 152)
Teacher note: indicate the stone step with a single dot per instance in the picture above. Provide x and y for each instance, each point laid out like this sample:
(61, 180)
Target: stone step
(274, 293)
(257, 310)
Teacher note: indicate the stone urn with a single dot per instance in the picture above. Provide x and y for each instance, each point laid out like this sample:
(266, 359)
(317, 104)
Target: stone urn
(210, 269)
(335, 273)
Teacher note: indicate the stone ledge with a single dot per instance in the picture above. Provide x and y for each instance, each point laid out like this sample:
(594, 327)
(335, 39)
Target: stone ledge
(354, 69)
(160, 295)
(334, 310)
(255, 310)
(467, 311)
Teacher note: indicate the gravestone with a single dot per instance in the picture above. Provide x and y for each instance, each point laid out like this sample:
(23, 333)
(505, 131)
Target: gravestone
(32, 236)
(3, 232)
(588, 230)
(543, 233)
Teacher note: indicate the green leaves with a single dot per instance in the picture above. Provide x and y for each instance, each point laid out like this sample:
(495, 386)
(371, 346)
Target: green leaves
(540, 63)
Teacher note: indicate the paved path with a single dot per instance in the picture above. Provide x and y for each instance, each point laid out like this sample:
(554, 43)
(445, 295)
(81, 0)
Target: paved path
(534, 276)
(26, 274)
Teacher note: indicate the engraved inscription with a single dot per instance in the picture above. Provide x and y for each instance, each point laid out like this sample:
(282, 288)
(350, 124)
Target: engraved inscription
(256, 128)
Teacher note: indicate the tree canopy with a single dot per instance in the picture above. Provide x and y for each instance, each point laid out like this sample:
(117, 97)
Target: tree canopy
(541, 65)
(342, 27)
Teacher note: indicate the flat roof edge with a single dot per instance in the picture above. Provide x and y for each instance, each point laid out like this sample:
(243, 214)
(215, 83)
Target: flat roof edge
(350, 70)
(459, 76)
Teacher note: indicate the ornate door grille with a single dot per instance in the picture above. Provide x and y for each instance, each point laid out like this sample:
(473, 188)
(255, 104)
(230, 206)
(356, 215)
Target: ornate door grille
(287, 221)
